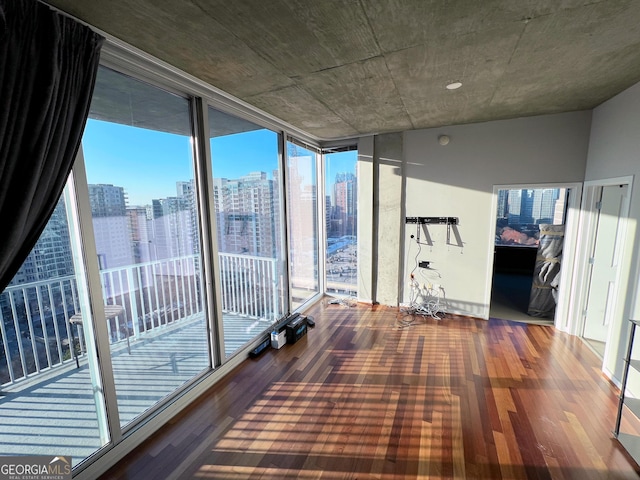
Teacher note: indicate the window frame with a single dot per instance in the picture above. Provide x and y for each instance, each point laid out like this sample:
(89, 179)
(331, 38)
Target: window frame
(320, 216)
(132, 62)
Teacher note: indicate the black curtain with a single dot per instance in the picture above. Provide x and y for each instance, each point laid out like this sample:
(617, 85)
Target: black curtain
(48, 66)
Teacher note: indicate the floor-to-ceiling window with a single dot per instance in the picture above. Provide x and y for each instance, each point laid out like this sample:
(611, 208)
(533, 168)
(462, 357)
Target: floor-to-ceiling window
(50, 390)
(247, 196)
(302, 212)
(146, 316)
(341, 221)
(140, 173)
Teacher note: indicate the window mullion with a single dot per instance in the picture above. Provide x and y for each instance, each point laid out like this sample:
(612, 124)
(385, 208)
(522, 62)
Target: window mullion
(208, 224)
(94, 324)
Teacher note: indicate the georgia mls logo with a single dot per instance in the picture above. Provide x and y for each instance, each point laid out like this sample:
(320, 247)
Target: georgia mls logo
(60, 466)
(35, 467)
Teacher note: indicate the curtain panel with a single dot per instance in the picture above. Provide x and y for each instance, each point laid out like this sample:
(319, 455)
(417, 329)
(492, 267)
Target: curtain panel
(48, 65)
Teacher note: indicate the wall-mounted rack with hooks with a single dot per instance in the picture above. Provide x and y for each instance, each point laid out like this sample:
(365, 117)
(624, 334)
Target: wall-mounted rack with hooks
(432, 220)
(422, 223)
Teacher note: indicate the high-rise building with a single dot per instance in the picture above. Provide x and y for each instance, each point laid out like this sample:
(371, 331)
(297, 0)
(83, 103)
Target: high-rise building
(246, 209)
(107, 201)
(51, 256)
(140, 238)
(171, 228)
(544, 204)
(187, 192)
(346, 197)
(526, 206)
(503, 203)
(560, 208)
(111, 226)
(328, 215)
(303, 220)
(513, 207)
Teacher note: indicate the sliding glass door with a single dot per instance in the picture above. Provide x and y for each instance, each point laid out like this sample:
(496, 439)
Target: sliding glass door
(341, 202)
(140, 174)
(51, 391)
(246, 191)
(302, 209)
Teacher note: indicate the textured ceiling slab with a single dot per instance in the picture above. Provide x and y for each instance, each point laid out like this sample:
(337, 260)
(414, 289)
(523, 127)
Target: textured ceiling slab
(337, 68)
(298, 107)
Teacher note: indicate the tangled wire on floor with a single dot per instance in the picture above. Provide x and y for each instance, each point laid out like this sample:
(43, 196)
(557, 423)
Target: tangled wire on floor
(344, 301)
(426, 301)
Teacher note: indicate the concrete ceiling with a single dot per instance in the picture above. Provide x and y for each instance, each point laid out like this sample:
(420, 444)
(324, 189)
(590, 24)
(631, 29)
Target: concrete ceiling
(346, 68)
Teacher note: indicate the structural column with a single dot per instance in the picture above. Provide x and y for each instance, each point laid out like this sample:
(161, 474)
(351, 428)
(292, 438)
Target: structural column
(380, 214)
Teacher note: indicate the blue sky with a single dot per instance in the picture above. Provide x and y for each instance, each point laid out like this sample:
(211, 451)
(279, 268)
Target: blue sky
(145, 162)
(148, 163)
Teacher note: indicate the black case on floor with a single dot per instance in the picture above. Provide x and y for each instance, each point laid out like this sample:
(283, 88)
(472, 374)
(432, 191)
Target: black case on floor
(296, 329)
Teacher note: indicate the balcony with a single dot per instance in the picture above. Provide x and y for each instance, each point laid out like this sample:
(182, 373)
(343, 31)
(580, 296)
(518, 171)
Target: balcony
(155, 322)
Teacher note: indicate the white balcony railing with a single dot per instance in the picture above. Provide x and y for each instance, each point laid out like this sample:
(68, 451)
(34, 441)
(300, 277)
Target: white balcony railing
(250, 286)
(37, 319)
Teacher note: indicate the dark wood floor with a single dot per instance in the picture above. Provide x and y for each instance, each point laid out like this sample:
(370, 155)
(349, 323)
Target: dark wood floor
(367, 396)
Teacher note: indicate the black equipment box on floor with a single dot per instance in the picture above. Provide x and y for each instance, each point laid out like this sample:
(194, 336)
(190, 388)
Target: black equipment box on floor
(296, 329)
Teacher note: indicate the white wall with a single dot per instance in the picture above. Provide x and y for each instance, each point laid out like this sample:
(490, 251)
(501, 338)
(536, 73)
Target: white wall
(614, 151)
(457, 180)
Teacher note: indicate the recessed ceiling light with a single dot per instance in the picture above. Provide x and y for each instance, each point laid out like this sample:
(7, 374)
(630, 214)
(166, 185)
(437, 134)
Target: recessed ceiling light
(454, 86)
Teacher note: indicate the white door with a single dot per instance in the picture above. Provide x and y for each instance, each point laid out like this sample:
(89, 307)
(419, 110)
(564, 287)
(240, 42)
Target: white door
(604, 264)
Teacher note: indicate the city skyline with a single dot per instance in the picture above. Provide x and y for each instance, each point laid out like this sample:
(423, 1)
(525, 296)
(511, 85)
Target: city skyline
(149, 154)
(117, 222)
(521, 211)
(136, 176)
(531, 205)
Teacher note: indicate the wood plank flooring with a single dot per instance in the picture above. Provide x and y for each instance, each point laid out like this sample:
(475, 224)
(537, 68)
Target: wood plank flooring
(368, 395)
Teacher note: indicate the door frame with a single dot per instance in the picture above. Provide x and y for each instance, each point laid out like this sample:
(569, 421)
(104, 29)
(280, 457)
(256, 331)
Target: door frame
(568, 249)
(580, 288)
